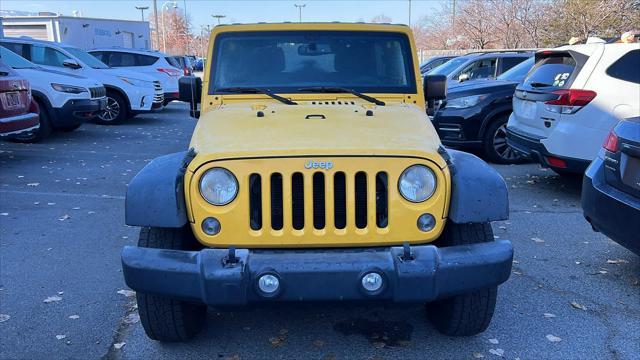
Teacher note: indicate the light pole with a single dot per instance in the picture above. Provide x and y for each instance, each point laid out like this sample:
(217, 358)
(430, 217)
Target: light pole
(155, 18)
(142, 9)
(409, 13)
(300, 6)
(218, 17)
(164, 31)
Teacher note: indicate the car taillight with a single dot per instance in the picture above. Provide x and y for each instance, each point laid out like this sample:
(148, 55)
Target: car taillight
(169, 72)
(611, 142)
(569, 100)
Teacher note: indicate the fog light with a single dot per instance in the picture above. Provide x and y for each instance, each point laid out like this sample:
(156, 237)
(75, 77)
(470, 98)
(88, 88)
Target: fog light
(426, 222)
(142, 102)
(211, 226)
(372, 282)
(268, 284)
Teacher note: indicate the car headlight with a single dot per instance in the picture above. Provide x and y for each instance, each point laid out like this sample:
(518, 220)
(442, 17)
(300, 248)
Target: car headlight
(218, 186)
(417, 183)
(464, 102)
(69, 88)
(134, 82)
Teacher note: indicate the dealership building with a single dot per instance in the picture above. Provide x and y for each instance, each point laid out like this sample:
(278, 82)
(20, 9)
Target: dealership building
(83, 32)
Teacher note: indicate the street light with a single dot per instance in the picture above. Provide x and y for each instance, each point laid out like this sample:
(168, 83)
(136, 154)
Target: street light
(299, 6)
(218, 17)
(164, 31)
(142, 9)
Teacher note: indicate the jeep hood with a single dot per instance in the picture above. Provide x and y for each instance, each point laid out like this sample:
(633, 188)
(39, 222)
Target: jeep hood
(242, 130)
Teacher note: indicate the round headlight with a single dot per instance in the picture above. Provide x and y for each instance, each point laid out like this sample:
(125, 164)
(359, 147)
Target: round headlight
(417, 183)
(218, 186)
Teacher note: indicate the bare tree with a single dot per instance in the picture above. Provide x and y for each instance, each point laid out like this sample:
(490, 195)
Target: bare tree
(475, 24)
(382, 18)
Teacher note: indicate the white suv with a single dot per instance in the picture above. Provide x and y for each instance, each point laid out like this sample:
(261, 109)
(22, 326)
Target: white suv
(128, 93)
(562, 111)
(154, 63)
(65, 101)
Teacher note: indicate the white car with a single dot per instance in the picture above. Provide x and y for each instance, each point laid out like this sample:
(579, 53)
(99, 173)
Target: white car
(148, 62)
(562, 112)
(65, 101)
(128, 93)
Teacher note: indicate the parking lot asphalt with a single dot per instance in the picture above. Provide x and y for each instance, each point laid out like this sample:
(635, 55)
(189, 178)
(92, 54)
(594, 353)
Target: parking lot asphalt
(573, 293)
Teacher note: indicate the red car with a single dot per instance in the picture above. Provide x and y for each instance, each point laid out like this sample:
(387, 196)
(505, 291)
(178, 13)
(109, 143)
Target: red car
(18, 112)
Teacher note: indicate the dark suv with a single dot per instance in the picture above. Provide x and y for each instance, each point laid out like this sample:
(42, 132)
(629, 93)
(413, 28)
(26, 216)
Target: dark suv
(475, 114)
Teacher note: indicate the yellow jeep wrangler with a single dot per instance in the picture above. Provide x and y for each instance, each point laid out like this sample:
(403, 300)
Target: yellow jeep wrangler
(314, 174)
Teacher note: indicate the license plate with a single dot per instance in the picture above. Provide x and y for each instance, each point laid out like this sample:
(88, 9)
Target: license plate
(11, 100)
(631, 174)
(526, 109)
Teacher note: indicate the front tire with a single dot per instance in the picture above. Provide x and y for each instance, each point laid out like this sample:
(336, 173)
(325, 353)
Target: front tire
(467, 314)
(165, 319)
(495, 145)
(116, 111)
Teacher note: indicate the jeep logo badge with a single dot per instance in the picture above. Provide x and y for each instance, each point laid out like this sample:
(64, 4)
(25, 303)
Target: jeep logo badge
(311, 164)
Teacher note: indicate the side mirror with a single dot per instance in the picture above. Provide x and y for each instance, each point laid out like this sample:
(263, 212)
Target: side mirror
(190, 90)
(435, 87)
(71, 64)
(463, 77)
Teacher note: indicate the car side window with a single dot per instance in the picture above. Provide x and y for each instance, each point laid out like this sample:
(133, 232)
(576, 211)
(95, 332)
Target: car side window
(19, 49)
(102, 56)
(146, 60)
(481, 69)
(120, 59)
(626, 68)
(509, 62)
(44, 55)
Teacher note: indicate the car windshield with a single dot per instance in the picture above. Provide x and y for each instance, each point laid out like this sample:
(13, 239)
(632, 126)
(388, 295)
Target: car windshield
(87, 58)
(518, 72)
(448, 67)
(14, 60)
(287, 61)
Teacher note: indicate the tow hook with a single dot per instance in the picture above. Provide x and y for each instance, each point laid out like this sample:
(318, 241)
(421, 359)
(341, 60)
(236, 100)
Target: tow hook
(231, 259)
(407, 255)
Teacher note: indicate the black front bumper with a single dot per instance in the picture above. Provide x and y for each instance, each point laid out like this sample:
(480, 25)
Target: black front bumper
(531, 148)
(317, 275)
(75, 112)
(459, 127)
(609, 210)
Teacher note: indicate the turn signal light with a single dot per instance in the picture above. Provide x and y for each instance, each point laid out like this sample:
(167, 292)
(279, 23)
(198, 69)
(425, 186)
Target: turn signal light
(611, 142)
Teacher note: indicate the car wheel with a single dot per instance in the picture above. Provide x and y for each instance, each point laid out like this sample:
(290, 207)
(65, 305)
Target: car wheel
(495, 144)
(116, 110)
(42, 132)
(467, 314)
(165, 319)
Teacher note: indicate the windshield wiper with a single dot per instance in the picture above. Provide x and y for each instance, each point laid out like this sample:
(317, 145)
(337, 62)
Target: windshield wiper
(336, 90)
(252, 90)
(539, 84)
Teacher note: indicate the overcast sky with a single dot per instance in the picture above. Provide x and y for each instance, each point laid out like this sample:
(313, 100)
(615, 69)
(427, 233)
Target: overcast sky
(200, 11)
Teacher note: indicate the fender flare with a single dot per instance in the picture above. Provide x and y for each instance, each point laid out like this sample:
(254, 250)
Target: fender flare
(155, 196)
(39, 96)
(478, 192)
(120, 92)
(505, 109)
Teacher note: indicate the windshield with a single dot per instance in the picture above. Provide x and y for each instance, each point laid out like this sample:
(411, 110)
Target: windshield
(14, 60)
(87, 58)
(448, 67)
(554, 71)
(286, 61)
(518, 72)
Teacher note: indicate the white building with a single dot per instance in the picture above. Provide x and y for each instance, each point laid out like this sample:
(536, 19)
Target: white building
(86, 33)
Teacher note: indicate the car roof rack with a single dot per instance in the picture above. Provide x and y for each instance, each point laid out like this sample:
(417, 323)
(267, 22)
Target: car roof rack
(501, 51)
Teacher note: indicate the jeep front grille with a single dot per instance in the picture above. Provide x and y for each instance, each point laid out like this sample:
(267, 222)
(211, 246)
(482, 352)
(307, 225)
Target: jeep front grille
(289, 192)
(98, 92)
